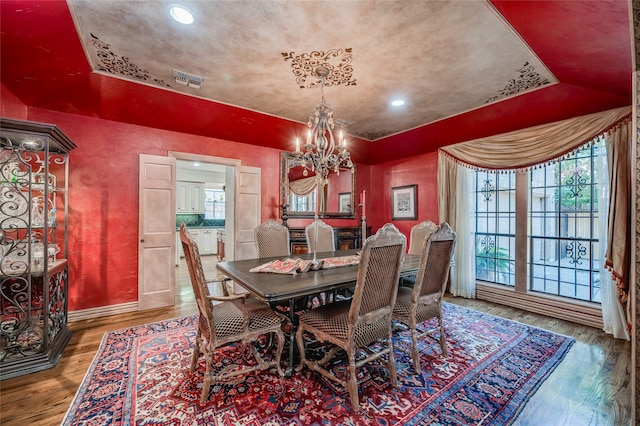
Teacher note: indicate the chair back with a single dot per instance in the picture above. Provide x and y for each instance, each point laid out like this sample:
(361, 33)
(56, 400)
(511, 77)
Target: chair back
(419, 234)
(198, 281)
(326, 242)
(435, 261)
(377, 285)
(272, 239)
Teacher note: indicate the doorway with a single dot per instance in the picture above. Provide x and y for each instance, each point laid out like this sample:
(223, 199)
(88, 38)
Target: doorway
(212, 173)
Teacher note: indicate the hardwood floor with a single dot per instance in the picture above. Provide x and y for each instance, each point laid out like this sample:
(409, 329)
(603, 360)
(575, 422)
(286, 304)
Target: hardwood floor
(590, 387)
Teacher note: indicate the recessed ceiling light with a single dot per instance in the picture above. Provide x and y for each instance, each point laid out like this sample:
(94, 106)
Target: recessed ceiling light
(181, 14)
(397, 103)
(196, 164)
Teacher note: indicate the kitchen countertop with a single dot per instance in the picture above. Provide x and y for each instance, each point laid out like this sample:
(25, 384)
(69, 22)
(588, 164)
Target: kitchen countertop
(202, 227)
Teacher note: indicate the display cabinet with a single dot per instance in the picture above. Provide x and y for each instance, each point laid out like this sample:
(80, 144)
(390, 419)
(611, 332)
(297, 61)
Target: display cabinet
(34, 252)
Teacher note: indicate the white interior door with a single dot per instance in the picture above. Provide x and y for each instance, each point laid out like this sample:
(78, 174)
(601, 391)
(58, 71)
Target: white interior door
(247, 213)
(156, 232)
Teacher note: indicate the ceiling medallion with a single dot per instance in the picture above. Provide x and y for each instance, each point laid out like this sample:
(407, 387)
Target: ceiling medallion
(528, 79)
(371, 136)
(114, 64)
(337, 61)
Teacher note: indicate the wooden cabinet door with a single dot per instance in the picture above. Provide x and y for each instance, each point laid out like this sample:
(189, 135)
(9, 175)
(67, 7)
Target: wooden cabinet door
(196, 192)
(208, 239)
(182, 197)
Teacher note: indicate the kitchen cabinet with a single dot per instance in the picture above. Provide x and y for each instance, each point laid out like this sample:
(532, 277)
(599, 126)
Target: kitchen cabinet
(189, 197)
(34, 251)
(207, 240)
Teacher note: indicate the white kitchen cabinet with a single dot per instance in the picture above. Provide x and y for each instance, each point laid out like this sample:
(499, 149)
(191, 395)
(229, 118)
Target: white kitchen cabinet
(208, 241)
(189, 197)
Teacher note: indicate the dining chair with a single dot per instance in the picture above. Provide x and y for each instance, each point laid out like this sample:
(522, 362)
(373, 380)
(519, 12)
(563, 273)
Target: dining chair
(419, 234)
(272, 239)
(356, 324)
(326, 241)
(223, 320)
(424, 301)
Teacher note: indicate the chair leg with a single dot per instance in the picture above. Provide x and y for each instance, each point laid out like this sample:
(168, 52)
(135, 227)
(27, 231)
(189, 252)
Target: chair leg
(443, 342)
(353, 382)
(301, 350)
(414, 352)
(206, 383)
(391, 365)
(196, 353)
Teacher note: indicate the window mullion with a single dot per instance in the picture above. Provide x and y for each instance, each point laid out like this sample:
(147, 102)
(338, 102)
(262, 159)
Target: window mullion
(522, 226)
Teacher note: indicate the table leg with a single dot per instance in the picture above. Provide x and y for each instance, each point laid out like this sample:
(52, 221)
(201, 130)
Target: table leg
(293, 355)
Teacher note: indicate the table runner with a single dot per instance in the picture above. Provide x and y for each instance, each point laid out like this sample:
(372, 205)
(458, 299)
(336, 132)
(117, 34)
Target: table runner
(293, 266)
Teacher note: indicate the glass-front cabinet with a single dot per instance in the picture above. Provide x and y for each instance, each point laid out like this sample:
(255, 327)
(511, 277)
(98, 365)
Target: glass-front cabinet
(34, 252)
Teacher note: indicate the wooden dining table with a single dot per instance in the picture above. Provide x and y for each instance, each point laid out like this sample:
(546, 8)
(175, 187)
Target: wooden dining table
(289, 289)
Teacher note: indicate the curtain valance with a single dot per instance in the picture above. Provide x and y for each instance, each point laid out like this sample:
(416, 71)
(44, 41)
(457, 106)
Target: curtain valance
(526, 148)
(303, 186)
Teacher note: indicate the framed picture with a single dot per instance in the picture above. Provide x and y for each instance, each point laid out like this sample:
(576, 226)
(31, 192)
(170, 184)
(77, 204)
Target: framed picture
(344, 202)
(403, 203)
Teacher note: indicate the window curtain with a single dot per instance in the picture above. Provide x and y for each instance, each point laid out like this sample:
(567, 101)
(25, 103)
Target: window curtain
(618, 254)
(613, 314)
(303, 186)
(527, 148)
(458, 212)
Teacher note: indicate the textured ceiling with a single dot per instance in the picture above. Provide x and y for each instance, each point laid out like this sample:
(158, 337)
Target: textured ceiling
(466, 68)
(443, 58)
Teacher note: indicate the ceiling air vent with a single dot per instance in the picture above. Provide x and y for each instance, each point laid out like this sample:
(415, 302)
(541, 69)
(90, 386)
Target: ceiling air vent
(189, 80)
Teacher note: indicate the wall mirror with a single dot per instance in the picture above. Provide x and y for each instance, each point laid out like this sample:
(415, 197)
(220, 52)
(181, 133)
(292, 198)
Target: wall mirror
(298, 187)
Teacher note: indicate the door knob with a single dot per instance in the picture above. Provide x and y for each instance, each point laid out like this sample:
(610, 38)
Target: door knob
(142, 241)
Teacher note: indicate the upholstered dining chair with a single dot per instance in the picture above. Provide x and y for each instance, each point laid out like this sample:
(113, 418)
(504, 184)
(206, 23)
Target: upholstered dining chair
(424, 301)
(228, 319)
(272, 239)
(326, 241)
(419, 234)
(366, 319)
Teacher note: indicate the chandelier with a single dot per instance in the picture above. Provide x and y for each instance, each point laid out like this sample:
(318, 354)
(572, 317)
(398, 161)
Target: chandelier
(320, 153)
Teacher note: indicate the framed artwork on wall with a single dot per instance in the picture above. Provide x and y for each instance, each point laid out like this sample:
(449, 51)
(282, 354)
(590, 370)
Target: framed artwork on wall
(344, 200)
(403, 203)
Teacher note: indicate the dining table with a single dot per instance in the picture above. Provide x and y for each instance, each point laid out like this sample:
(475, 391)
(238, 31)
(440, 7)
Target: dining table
(278, 289)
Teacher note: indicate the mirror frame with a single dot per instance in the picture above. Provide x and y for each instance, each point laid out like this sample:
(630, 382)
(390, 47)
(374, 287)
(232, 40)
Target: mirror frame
(286, 159)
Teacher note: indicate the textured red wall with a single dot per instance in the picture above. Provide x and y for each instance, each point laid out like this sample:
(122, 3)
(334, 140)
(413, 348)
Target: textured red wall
(103, 195)
(104, 198)
(10, 105)
(420, 170)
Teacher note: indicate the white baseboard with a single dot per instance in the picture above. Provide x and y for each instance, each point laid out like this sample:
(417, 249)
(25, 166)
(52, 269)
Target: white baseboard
(102, 311)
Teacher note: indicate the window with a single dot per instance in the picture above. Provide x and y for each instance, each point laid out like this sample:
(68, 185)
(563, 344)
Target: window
(563, 210)
(495, 227)
(302, 203)
(213, 203)
(562, 227)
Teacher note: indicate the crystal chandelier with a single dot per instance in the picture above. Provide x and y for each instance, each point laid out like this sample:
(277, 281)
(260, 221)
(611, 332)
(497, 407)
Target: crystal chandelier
(320, 153)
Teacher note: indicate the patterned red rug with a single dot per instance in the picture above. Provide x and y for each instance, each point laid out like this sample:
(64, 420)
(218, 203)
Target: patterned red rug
(140, 376)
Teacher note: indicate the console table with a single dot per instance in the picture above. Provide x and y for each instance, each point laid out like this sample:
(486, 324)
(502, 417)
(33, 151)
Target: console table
(346, 238)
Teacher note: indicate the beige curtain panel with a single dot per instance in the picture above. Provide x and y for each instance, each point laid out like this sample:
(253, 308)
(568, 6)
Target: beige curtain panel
(529, 147)
(618, 255)
(303, 186)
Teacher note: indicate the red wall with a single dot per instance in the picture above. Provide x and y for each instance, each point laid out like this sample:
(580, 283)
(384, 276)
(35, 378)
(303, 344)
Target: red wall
(103, 199)
(10, 105)
(420, 170)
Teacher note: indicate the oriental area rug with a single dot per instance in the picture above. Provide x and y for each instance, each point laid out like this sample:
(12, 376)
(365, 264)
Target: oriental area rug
(140, 376)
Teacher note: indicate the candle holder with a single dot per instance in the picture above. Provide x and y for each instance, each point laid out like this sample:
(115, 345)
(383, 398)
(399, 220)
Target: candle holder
(315, 242)
(363, 231)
